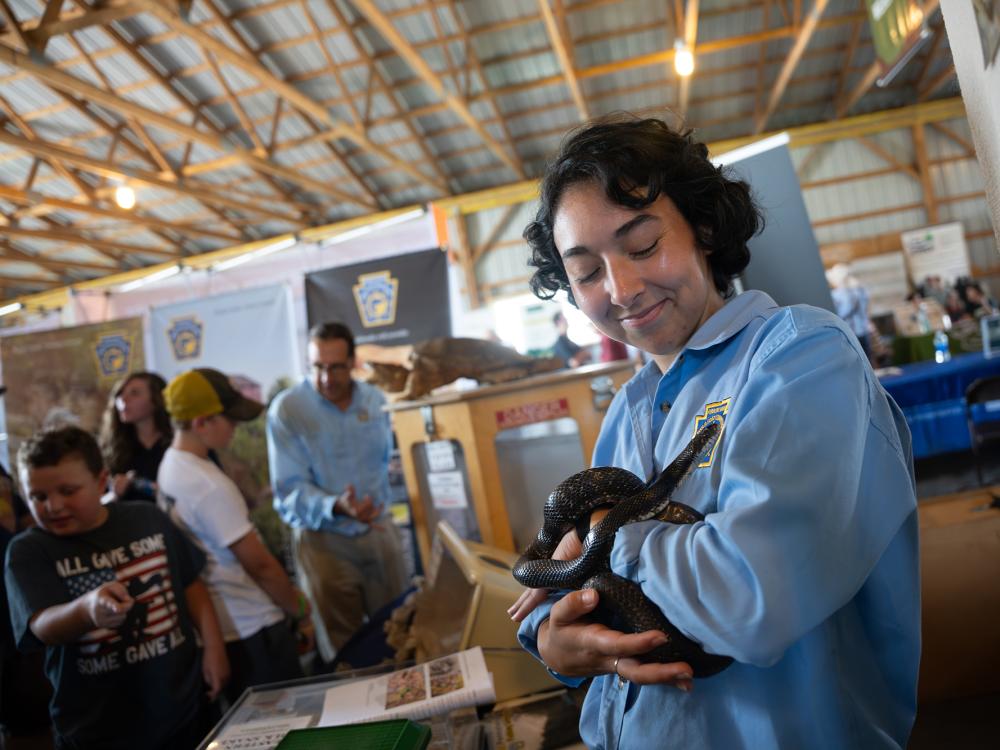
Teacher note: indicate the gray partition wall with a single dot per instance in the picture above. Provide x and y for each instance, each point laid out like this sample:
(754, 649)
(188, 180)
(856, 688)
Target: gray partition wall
(784, 258)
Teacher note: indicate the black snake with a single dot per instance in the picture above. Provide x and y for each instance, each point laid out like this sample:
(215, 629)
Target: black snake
(622, 603)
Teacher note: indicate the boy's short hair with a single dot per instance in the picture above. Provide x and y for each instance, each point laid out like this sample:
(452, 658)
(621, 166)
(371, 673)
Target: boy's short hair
(50, 447)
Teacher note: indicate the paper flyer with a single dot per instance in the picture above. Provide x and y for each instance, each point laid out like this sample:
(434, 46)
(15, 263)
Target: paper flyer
(424, 690)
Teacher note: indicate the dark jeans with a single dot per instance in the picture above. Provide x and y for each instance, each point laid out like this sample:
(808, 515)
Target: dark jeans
(270, 655)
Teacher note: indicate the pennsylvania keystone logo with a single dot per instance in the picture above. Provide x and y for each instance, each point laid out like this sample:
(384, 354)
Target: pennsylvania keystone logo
(113, 352)
(375, 294)
(185, 337)
(714, 412)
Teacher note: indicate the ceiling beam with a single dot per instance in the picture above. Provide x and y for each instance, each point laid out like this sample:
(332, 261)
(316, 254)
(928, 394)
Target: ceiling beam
(31, 198)
(19, 282)
(803, 135)
(413, 58)
(56, 235)
(10, 253)
(129, 174)
(401, 112)
(52, 24)
(280, 87)
(341, 161)
(10, 20)
(802, 39)
(71, 85)
(560, 47)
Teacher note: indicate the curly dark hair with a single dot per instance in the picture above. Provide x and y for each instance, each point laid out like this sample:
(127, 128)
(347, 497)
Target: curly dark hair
(118, 439)
(49, 448)
(635, 161)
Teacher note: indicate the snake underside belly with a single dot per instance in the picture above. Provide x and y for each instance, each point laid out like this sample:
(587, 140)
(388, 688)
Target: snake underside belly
(622, 603)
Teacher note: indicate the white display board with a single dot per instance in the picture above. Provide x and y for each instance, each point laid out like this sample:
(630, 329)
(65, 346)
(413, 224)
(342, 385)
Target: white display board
(937, 251)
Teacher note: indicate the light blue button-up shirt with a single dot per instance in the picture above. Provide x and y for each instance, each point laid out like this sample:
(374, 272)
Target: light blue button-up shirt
(805, 569)
(315, 450)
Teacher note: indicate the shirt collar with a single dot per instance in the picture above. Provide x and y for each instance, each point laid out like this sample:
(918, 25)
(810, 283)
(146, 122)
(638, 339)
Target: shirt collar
(732, 318)
(318, 397)
(728, 321)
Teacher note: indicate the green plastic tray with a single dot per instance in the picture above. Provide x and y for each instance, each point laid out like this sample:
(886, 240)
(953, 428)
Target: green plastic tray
(396, 734)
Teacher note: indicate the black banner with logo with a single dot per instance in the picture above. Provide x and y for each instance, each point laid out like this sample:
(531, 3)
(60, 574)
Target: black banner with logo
(392, 301)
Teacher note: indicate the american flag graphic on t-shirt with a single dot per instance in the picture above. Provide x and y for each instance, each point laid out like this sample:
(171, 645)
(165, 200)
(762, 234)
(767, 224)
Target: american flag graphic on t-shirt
(154, 612)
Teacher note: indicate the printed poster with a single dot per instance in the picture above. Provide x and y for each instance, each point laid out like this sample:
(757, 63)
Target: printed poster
(63, 376)
(390, 301)
(250, 336)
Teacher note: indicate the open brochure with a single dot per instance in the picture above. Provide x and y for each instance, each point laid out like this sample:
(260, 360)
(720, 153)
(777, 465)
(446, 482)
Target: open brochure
(435, 687)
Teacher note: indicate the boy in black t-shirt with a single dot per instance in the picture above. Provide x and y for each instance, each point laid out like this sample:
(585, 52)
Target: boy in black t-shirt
(112, 592)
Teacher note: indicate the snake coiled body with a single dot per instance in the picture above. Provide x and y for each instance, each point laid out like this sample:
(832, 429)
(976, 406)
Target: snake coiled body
(622, 603)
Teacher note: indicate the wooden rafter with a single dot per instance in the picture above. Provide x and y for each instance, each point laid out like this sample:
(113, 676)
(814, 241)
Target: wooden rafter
(20, 282)
(280, 87)
(383, 87)
(465, 259)
(474, 66)
(8, 252)
(344, 164)
(965, 143)
(791, 62)
(924, 170)
(133, 216)
(398, 42)
(491, 241)
(70, 84)
(936, 82)
(75, 238)
(690, 41)
(881, 153)
(100, 167)
(197, 114)
(852, 47)
(561, 48)
(10, 20)
(761, 60)
(48, 27)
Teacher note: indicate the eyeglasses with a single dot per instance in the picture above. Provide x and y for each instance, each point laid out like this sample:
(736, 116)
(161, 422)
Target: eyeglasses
(330, 369)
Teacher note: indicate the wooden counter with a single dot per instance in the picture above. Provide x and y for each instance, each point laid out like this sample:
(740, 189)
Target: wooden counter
(473, 418)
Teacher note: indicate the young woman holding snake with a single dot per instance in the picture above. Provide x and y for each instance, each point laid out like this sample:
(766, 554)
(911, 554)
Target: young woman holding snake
(804, 569)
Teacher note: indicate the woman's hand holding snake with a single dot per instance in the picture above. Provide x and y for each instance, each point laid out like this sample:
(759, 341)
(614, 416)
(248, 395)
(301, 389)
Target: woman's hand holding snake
(575, 646)
(555, 560)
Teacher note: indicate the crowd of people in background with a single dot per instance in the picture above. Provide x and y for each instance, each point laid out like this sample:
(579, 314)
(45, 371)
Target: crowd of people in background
(133, 564)
(934, 304)
(965, 299)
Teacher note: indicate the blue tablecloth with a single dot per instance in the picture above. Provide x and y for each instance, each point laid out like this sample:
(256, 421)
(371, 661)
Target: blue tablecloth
(932, 396)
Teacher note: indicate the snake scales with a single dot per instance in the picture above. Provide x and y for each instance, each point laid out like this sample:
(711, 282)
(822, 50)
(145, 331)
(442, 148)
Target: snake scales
(622, 603)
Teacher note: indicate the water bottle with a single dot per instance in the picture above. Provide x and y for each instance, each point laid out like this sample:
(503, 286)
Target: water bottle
(941, 351)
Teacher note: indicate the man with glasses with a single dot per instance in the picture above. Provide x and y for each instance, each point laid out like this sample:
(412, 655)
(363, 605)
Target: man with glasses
(328, 442)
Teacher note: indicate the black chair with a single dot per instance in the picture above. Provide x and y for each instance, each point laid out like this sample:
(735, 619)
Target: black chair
(982, 391)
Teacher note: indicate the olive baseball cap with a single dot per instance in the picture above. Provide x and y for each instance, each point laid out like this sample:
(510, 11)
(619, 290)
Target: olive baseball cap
(204, 392)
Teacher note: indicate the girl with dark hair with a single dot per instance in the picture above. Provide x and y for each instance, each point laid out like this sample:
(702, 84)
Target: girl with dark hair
(135, 434)
(804, 568)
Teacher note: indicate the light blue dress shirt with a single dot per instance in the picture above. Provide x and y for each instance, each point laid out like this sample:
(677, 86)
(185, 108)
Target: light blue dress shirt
(805, 569)
(315, 450)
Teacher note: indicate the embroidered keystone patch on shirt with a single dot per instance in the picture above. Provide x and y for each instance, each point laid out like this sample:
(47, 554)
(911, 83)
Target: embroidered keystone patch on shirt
(716, 411)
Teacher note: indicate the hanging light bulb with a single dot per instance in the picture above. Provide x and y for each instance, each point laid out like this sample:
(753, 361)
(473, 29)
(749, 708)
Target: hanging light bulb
(683, 59)
(124, 197)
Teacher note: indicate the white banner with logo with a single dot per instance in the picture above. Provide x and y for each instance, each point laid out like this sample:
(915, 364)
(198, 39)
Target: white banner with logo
(249, 335)
(937, 251)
